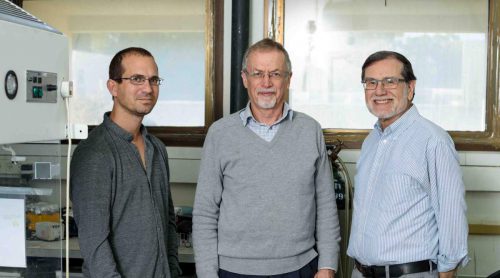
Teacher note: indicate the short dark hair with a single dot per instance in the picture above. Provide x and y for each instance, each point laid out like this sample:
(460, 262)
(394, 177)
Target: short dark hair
(407, 71)
(266, 45)
(115, 66)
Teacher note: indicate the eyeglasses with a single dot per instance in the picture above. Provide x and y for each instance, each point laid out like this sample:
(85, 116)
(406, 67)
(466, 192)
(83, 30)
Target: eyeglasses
(388, 83)
(139, 79)
(273, 75)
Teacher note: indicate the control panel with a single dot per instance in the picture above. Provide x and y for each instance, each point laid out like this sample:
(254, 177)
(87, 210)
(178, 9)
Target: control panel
(41, 86)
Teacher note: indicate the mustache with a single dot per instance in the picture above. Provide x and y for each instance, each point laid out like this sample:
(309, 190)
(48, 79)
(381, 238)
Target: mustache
(381, 98)
(266, 90)
(145, 96)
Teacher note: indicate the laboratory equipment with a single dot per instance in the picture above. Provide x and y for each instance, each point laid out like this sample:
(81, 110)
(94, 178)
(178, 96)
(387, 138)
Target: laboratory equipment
(34, 86)
(35, 63)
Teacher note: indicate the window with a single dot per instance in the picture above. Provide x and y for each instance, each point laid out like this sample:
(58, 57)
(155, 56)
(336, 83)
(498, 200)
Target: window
(182, 37)
(451, 44)
(180, 59)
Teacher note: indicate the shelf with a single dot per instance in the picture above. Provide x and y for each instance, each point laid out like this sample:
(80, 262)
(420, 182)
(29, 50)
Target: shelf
(56, 249)
(24, 190)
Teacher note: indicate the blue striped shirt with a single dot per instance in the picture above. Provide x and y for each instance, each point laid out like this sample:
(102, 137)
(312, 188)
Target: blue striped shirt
(409, 197)
(264, 131)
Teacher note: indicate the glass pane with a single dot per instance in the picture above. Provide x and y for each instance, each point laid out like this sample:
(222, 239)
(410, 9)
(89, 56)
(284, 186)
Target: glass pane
(445, 40)
(31, 205)
(180, 59)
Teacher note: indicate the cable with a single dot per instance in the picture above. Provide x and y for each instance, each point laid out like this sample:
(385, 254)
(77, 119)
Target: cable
(68, 126)
(9, 149)
(67, 93)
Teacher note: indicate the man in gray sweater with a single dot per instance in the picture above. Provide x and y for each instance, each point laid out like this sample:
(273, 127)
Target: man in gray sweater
(120, 182)
(265, 202)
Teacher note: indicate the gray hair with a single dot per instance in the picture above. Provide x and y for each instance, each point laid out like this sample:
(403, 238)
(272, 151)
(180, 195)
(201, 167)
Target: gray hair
(266, 45)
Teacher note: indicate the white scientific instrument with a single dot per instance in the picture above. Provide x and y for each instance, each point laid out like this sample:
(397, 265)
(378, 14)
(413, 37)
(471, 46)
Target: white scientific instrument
(34, 88)
(34, 65)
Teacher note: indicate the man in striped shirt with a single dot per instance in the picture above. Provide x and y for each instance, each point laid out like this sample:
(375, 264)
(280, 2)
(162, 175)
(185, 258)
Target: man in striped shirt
(409, 208)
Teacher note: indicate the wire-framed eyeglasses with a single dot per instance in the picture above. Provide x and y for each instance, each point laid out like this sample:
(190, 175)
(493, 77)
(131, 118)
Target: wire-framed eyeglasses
(139, 79)
(387, 82)
(273, 75)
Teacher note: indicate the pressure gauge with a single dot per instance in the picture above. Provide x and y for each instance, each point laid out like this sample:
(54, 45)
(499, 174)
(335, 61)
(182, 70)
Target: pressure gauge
(11, 84)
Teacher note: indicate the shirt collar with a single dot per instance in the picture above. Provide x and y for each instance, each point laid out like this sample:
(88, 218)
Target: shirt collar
(120, 132)
(400, 124)
(246, 114)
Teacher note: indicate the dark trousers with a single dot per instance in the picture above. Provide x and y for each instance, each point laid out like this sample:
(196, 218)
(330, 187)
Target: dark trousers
(306, 271)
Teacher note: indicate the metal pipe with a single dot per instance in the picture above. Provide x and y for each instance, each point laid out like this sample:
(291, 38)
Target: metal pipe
(239, 42)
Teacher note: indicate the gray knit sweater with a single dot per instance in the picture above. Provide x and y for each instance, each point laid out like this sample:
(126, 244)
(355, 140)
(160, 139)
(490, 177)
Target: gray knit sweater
(264, 208)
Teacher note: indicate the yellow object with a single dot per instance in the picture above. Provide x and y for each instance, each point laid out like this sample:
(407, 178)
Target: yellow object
(33, 218)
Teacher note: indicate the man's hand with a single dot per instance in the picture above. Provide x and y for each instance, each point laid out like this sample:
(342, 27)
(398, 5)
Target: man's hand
(325, 273)
(448, 274)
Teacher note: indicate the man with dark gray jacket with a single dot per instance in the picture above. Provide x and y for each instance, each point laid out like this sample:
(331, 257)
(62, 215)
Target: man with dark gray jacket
(120, 182)
(265, 202)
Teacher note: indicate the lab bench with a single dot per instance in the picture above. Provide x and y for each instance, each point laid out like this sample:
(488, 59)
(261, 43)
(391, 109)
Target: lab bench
(40, 248)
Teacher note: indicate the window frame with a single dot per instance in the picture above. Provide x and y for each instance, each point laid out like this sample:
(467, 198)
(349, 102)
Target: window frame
(214, 40)
(488, 140)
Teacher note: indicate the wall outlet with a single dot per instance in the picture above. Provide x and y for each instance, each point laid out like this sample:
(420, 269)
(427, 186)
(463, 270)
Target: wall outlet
(77, 131)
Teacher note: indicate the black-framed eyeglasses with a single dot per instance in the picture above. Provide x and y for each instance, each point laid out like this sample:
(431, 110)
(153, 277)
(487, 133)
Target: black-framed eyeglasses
(388, 83)
(273, 75)
(139, 79)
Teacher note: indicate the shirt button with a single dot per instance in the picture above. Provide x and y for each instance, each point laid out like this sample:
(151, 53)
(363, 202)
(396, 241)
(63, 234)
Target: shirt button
(384, 141)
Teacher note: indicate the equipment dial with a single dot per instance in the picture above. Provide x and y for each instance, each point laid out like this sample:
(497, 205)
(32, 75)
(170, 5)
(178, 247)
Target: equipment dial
(11, 84)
